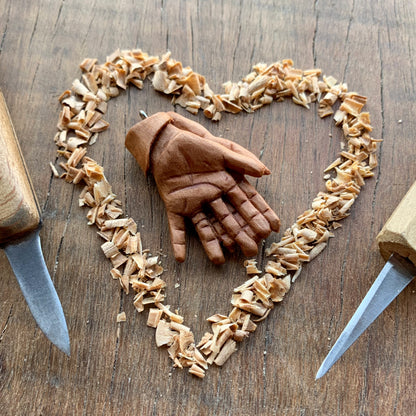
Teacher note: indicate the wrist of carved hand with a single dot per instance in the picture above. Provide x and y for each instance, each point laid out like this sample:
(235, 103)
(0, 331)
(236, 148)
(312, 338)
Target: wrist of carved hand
(142, 137)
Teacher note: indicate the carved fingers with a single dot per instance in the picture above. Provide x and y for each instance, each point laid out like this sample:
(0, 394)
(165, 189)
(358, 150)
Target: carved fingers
(243, 217)
(259, 203)
(177, 235)
(239, 217)
(209, 238)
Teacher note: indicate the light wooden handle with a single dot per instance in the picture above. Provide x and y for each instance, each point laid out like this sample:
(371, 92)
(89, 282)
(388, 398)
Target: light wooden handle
(19, 211)
(399, 233)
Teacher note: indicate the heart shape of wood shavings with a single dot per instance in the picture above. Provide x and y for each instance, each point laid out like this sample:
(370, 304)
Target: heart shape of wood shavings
(80, 122)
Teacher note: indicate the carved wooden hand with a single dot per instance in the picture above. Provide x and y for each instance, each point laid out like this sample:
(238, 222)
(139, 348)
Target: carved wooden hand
(201, 177)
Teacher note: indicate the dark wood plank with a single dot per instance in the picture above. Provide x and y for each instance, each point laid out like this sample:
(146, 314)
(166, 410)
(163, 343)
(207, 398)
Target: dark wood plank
(117, 368)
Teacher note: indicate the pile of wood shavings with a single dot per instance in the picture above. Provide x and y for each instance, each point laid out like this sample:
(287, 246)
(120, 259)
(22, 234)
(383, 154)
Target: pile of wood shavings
(80, 122)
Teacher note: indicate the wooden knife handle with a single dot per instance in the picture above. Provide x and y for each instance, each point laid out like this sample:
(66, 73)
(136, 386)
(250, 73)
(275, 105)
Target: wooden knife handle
(19, 212)
(399, 233)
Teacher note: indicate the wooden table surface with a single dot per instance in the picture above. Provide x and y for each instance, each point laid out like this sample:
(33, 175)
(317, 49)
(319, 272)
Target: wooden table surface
(116, 368)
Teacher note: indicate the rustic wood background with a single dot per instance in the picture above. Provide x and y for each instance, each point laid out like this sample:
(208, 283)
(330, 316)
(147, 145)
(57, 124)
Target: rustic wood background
(117, 368)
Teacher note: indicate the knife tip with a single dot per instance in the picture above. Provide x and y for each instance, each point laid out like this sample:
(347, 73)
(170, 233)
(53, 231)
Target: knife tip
(59, 337)
(323, 369)
(66, 349)
(62, 343)
(319, 374)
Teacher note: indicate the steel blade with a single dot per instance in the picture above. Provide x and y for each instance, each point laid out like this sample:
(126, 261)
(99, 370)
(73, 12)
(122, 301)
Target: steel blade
(393, 278)
(26, 258)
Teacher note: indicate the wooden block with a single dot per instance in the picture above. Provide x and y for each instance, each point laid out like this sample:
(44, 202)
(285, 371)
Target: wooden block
(399, 233)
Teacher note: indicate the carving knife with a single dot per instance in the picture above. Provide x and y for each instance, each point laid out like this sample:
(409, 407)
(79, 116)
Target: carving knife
(19, 236)
(397, 243)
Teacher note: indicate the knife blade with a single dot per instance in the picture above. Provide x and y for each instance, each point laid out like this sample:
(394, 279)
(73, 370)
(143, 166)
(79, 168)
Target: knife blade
(38, 289)
(19, 236)
(396, 274)
(397, 243)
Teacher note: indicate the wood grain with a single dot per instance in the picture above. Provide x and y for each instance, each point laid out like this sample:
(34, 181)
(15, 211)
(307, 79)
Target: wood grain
(116, 369)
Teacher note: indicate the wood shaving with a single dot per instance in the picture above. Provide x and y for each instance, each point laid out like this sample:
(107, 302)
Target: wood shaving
(251, 267)
(54, 170)
(80, 122)
(121, 317)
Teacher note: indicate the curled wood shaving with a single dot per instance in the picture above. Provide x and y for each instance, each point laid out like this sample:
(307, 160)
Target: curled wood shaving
(54, 170)
(196, 370)
(121, 317)
(251, 267)
(81, 121)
